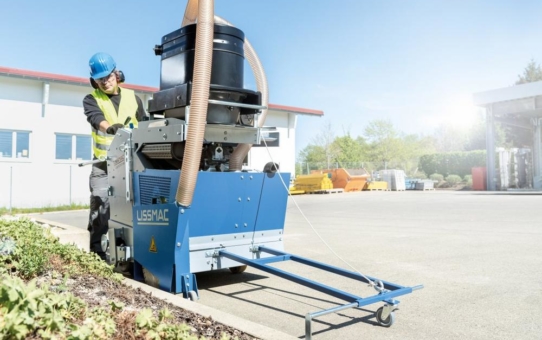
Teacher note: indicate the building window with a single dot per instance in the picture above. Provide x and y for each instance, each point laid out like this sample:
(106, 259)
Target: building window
(272, 139)
(14, 144)
(73, 147)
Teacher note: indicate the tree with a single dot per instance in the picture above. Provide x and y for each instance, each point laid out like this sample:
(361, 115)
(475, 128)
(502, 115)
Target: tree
(322, 149)
(532, 72)
(325, 140)
(384, 141)
(448, 138)
(348, 149)
(415, 146)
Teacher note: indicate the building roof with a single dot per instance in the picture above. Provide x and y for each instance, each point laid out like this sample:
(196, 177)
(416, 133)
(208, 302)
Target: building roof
(35, 75)
(523, 100)
(522, 91)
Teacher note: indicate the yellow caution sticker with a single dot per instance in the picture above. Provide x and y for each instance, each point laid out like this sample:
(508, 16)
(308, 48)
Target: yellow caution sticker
(152, 247)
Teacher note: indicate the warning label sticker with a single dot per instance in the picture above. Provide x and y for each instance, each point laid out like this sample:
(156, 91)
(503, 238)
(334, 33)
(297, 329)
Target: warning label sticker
(152, 247)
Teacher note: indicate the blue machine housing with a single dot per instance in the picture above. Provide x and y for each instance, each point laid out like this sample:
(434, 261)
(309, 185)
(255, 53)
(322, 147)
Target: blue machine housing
(173, 242)
(236, 218)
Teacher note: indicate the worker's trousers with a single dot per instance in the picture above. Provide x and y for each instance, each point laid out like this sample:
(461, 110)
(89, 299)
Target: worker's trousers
(98, 223)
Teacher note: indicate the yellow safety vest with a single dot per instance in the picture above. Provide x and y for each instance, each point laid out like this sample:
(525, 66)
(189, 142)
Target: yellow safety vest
(127, 108)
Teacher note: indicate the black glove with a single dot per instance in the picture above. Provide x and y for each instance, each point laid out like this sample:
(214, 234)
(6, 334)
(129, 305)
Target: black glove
(113, 128)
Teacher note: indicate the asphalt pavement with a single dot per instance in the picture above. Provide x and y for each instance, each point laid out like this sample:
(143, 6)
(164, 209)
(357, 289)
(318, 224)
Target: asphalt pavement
(478, 255)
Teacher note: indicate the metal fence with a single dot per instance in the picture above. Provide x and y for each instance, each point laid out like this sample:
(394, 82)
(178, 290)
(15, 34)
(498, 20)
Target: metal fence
(410, 167)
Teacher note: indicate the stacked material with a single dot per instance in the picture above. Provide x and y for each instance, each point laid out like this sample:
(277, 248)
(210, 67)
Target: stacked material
(376, 186)
(410, 183)
(349, 180)
(312, 182)
(394, 178)
(425, 184)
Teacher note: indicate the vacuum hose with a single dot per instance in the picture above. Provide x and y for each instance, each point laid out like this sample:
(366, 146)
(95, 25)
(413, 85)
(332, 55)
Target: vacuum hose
(203, 11)
(200, 96)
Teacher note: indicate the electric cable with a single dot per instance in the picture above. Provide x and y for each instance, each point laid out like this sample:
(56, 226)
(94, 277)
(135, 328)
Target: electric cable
(377, 284)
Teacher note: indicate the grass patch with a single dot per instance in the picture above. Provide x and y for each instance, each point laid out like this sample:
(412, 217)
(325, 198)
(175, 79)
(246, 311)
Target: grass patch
(67, 207)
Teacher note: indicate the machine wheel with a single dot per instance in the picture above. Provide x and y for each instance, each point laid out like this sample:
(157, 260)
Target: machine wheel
(193, 296)
(238, 270)
(388, 321)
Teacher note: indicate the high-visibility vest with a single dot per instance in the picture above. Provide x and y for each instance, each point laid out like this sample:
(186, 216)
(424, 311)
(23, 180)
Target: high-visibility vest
(127, 108)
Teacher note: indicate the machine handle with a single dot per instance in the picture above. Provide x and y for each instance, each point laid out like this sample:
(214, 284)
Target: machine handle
(247, 106)
(99, 160)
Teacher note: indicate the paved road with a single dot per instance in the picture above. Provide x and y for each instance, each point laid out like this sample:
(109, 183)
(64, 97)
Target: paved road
(479, 256)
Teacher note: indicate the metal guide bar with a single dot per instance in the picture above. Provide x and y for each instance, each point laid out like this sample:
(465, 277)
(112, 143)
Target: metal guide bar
(391, 290)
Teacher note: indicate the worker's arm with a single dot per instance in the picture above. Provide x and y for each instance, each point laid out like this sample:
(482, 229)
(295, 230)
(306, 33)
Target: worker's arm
(94, 115)
(141, 113)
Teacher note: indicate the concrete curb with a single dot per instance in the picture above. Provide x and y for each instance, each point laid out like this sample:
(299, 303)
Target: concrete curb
(249, 327)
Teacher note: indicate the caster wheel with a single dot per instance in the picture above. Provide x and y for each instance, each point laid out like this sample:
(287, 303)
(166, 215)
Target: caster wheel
(384, 322)
(238, 270)
(193, 296)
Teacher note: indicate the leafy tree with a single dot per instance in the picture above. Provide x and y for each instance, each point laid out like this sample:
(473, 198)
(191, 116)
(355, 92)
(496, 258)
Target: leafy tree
(448, 138)
(324, 140)
(312, 154)
(384, 141)
(532, 72)
(349, 150)
(415, 146)
(322, 150)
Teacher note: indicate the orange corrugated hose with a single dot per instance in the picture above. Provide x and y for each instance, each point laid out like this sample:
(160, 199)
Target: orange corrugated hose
(200, 96)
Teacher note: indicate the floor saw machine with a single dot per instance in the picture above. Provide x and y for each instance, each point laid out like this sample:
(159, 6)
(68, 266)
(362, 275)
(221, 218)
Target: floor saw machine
(180, 201)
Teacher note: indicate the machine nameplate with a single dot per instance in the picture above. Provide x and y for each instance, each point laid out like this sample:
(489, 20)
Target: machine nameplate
(118, 162)
(157, 217)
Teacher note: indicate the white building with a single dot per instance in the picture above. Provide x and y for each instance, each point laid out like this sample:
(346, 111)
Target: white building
(44, 135)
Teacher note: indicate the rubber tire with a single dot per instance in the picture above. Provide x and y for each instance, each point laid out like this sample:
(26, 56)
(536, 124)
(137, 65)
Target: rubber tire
(384, 323)
(193, 296)
(238, 269)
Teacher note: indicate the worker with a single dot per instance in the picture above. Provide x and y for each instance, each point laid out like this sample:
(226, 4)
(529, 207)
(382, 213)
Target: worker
(108, 108)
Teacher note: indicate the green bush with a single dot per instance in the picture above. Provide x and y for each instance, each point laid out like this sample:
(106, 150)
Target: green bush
(459, 163)
(468, 180)
(419, 174)
(29, 310)
(436, 177)
(453, 179)
(33, 242)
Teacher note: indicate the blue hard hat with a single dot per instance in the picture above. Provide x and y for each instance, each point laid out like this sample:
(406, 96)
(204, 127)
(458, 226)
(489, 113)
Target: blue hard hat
(101, 65)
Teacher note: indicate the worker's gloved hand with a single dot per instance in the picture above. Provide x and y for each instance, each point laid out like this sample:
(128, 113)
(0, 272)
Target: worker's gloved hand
(113, 128)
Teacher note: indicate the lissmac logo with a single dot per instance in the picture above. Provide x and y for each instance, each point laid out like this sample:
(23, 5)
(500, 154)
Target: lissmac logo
(152, 217)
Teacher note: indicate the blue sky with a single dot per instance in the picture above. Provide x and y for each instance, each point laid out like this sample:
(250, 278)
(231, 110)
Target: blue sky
(414, 62)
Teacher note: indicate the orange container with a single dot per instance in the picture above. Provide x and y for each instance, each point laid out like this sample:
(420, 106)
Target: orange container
(342, 179)
(479, 179)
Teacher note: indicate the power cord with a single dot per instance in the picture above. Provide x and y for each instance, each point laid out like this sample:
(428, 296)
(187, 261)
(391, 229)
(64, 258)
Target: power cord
(377, 284)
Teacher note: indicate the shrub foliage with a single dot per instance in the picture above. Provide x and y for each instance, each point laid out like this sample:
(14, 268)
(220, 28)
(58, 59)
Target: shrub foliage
(459, 163)
(33, 308)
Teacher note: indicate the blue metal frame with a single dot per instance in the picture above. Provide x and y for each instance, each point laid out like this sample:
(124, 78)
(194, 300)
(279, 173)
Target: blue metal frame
(391, 290)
